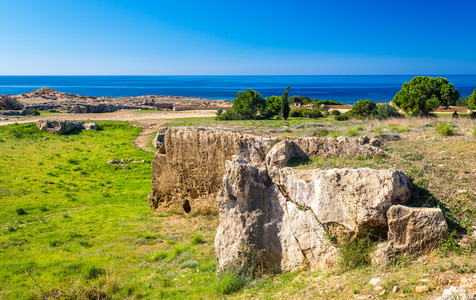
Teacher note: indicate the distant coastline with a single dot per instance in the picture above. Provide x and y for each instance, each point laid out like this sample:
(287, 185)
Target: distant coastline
(343, 88)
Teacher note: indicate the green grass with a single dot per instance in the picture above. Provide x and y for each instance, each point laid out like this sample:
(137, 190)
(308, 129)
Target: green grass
(445, 129)
(71, 220)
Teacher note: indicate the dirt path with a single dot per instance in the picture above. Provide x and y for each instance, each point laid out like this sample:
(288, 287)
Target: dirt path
(142, 140)
(123, 115)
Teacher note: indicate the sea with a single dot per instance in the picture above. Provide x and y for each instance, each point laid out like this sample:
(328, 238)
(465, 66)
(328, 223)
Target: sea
(342, 88)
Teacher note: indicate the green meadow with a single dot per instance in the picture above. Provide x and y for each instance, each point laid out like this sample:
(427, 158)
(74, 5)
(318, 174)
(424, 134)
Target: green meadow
(81, 227)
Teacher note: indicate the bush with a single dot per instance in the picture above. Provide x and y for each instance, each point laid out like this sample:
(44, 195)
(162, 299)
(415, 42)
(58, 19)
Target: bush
(21, 211)
(327, 102)
(321, 132)
(335, 112)
(305, 113)
(355, 252)
(386, 111)
(424, 94)
(197, 239)
(219, 111)
(34, 112)
(343, 117)
(229, 115)
(363, 108)
(9, 103)
(445, 129)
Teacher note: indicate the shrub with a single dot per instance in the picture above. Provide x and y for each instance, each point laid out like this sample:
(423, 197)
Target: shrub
(197, 238)
(219, 111)
(229, 115)
(311, 113)
(9, 103)
(343, 117)
(445, 129)
(306, 113)
(21, 211)
(92, 272)
(355, 252)
(230, 282)
(335, 112)
(363, 108)
(34, 112)
(321, 132)
(385, 111)
(285, 104)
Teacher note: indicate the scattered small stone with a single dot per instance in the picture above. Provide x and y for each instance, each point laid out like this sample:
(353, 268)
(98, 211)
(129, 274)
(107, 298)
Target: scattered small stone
(46, 138)
(129, 159)
(421, 289)
(424, 280)
(143, 161)
(136, 162)
(454, 293)
(462, 191)
(126, 166)
(113, 162)
(395, 289)
(383, 292)
(375, 281)
(378, 288)
(441, 166)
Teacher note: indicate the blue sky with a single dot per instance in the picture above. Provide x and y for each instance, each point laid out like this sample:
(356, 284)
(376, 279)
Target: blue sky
(237, 37)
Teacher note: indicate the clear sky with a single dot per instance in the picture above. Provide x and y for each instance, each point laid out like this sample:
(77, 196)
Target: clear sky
(191, 37)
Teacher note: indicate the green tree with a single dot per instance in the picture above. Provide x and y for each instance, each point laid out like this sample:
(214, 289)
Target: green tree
(285, 104)
(472, 100)
(363, 108)
(273, 104)
(424, 94)
(247, 103)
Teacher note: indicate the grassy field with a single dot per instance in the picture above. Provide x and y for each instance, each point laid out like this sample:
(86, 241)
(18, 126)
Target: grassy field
(81, 228)
(79, 225)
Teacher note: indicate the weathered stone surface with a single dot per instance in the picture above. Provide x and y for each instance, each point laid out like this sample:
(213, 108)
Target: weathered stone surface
(352, 199)
(58, 126)
(158, 141)
(283, 151)
(191, 164)
(415, 230)
(254, 213)
(90, 126)
(453, 293)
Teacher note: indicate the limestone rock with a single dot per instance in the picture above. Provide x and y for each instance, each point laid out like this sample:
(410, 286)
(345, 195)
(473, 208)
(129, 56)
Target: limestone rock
(454, 293)
(158, 141)
(90, 126)
(414, 230)
(421, 289)
(255, 214)
(191, 163)
(58, 126)
(345, 199)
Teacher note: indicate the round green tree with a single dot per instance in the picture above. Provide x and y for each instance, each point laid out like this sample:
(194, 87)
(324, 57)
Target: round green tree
(472, 100)
(363, 108)
(424, 94)
(247, 103)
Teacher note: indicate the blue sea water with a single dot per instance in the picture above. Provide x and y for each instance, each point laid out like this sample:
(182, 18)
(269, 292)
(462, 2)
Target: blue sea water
(343, 88)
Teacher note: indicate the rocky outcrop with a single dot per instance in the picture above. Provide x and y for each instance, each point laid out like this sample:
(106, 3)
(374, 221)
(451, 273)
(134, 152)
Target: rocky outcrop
(21, 112)
(64, 126)
(58, 126)
(290, 217)
(190, 164)
(189, 167)
(285, 214)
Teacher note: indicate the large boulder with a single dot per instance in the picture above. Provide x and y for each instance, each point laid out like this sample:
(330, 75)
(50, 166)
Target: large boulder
(256, 216)
(58, 126)
(411, 231)
(189, 166)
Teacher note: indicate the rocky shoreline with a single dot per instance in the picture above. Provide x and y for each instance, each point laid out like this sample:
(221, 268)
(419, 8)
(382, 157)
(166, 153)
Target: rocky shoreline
(46, 99)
